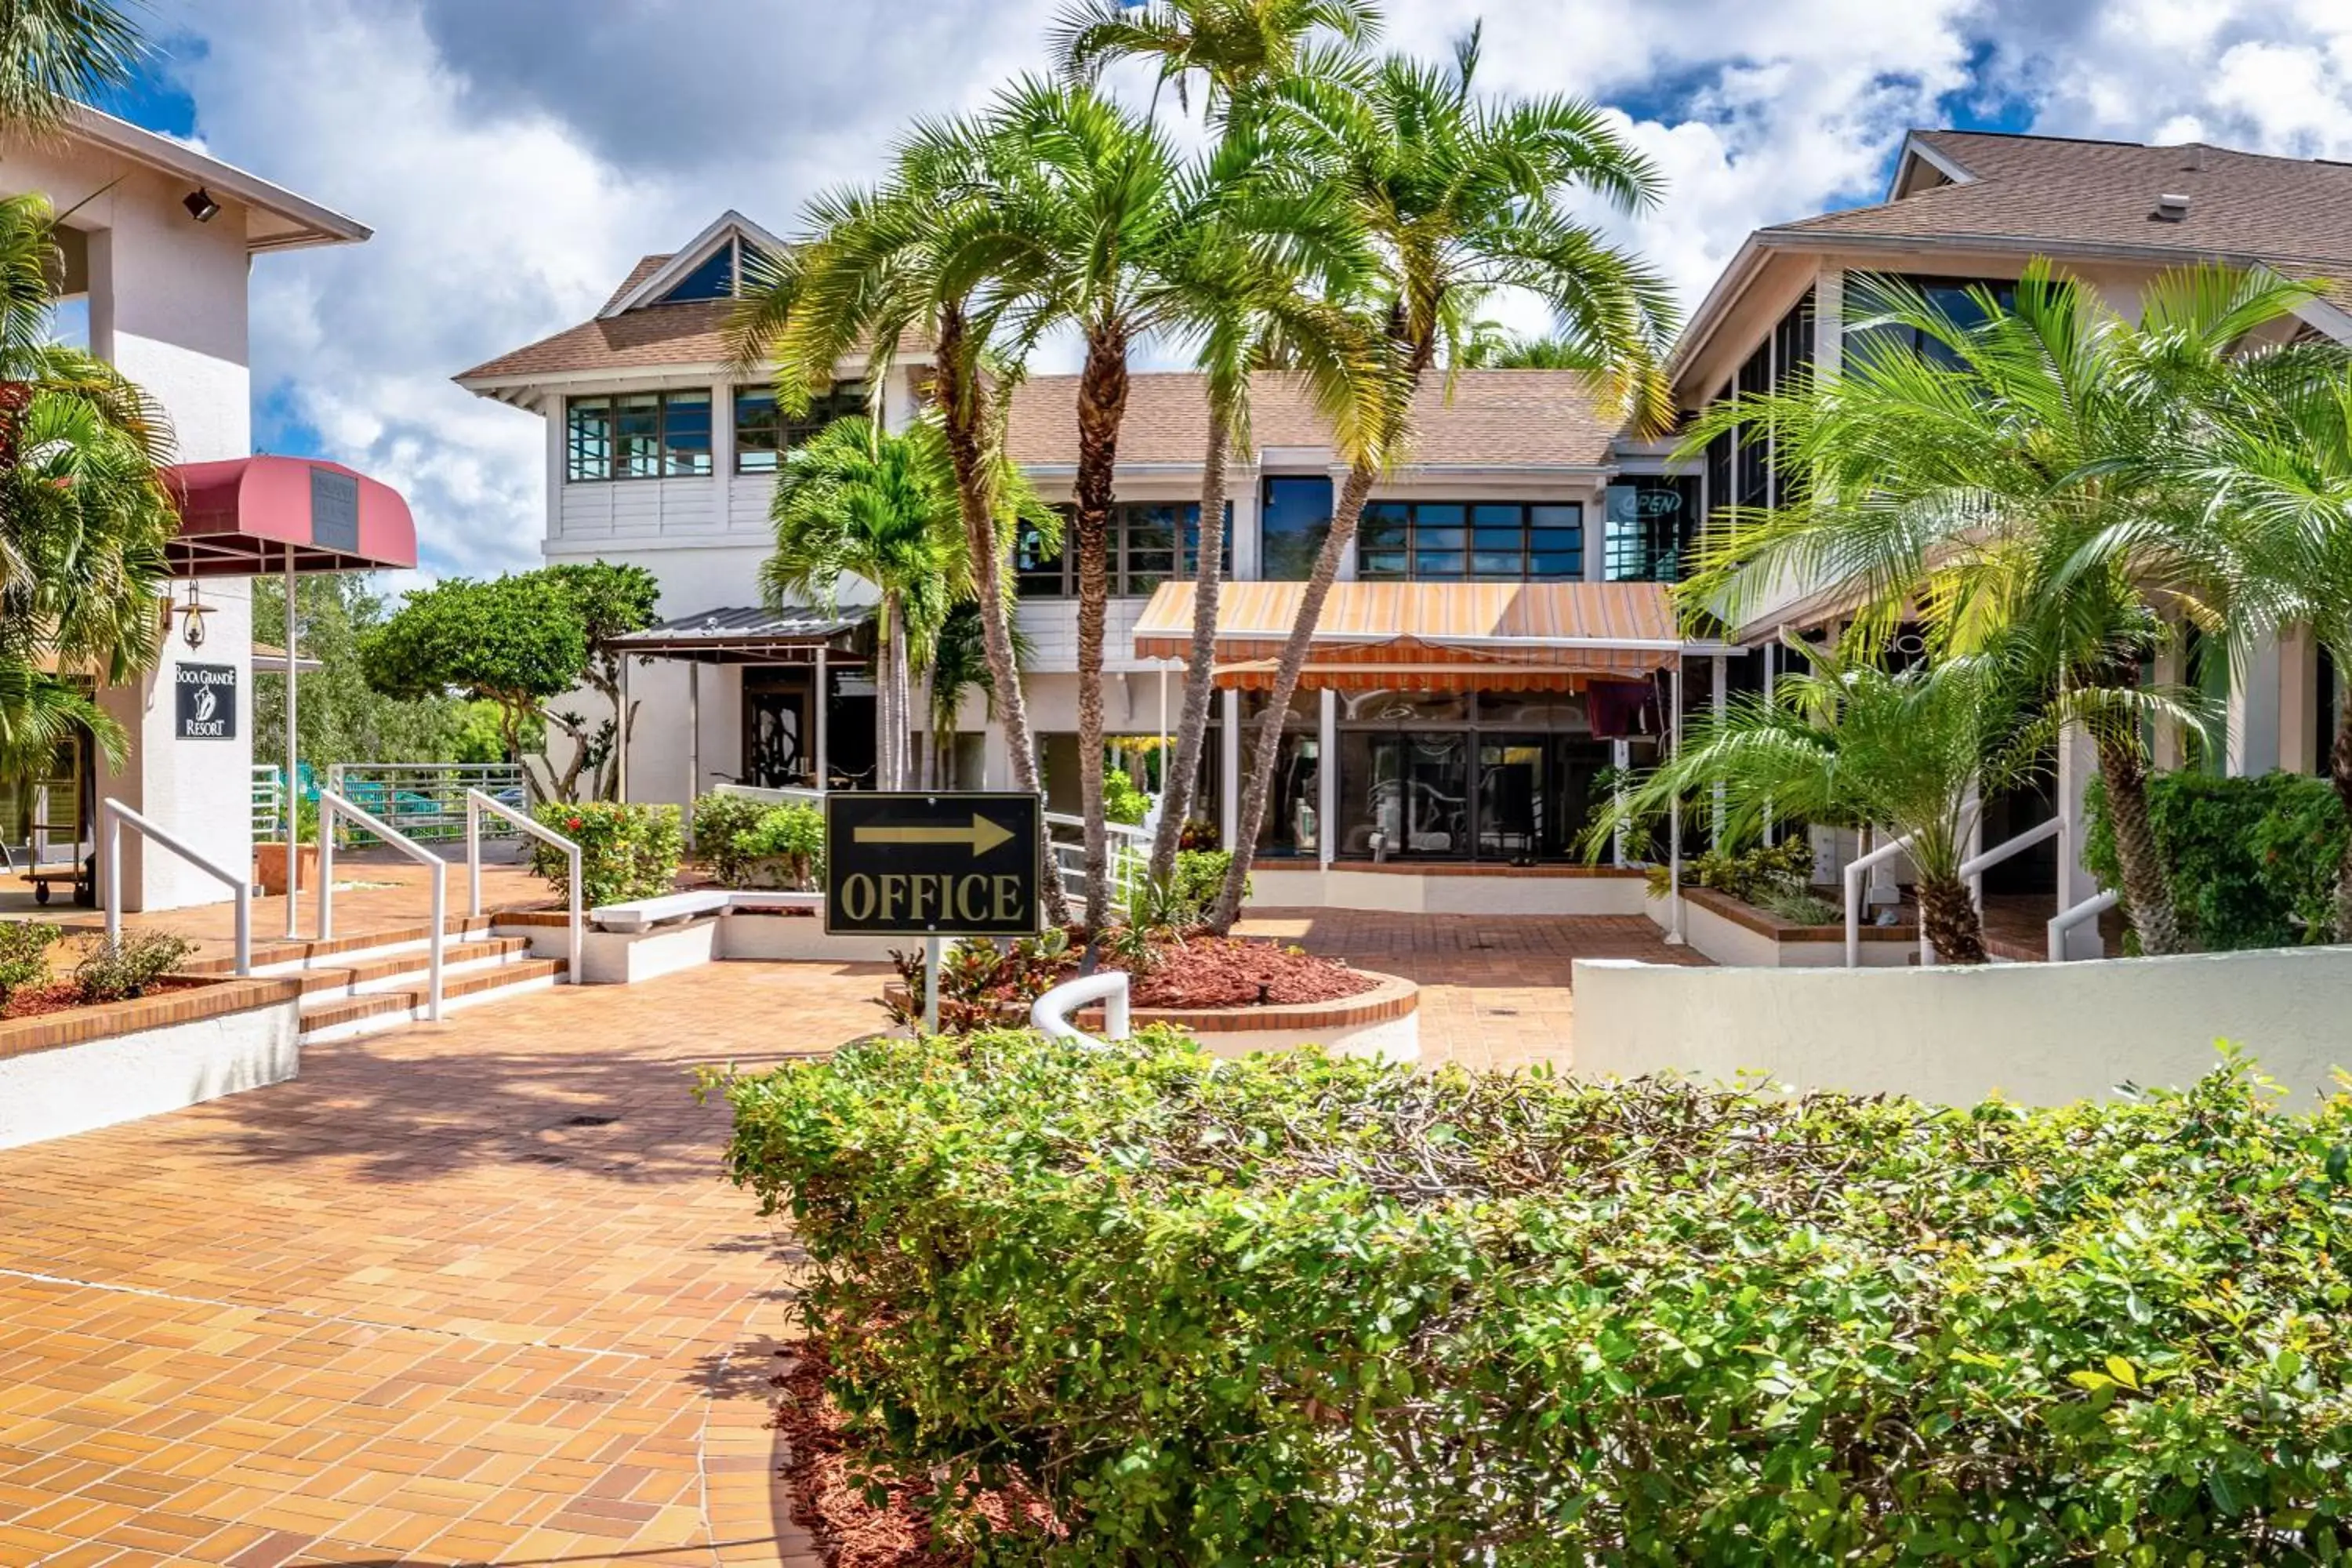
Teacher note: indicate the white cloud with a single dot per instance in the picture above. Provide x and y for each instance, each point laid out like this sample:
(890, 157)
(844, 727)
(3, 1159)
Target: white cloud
(515, 158)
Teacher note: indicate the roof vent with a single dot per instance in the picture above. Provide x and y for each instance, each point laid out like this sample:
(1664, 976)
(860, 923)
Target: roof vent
(2170, 207)
(2192, 157)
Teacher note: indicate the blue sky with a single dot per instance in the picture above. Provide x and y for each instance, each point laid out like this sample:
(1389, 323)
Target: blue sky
(516, 156)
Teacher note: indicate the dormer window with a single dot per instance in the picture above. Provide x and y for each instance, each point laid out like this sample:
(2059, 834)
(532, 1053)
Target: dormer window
(714, 279)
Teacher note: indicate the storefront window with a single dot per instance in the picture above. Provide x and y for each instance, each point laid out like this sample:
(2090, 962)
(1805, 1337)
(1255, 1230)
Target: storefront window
(1293, 519)
(1428, 775)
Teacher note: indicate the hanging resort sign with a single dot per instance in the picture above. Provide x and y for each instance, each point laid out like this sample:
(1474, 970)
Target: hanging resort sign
(932, 863)
(207, 701)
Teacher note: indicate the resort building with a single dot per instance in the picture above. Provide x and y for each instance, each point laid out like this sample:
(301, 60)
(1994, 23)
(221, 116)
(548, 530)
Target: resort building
(158, 241)
(1500, 637)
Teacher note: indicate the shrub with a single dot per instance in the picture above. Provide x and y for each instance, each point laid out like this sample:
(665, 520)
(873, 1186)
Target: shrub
(1801, 909)
(978, 980)
(1122, 802)
(24, 955)
(1749, 875)
(1298, 1309)
(717, 819)
(793, 835)
(627, 852)
(1198, 833)
(1183, 901)
(2252, 860)
(120, 966)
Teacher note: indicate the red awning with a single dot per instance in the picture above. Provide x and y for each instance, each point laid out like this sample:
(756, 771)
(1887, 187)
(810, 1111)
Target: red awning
(237, 518)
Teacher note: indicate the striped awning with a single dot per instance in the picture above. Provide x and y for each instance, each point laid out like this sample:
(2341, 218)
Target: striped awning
(1549, 636)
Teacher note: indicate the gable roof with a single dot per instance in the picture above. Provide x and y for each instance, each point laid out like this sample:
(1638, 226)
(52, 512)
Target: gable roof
(725, 228)
(686, 336)
(2070, 196)
(278, 219)
(1533, 418)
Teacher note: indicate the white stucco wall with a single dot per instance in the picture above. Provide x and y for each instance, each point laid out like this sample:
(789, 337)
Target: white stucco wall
(2042, 1034)
(73, 1088)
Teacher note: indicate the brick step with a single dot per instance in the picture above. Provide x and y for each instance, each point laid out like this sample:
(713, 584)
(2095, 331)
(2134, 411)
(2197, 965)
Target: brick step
(364, 972)
(337, 1016)
(282, 956)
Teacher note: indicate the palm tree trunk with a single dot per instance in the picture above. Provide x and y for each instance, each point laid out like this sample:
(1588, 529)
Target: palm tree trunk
(890, 698)
(1199, 677)
(960, 397)
(1259, 782)
(1102, 403)
(1948, 916)
(2148, 886)
(2340, 770)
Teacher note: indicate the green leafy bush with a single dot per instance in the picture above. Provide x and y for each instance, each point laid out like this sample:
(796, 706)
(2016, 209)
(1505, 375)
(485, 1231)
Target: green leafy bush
(717, 819)
(1749, 875)
(1801, 909)
(2252, 860)
(627, 852)
(1294, 1310)
(745, 843)
(115, 967)
(24, 955)
(1185, 899)
(1122, 802)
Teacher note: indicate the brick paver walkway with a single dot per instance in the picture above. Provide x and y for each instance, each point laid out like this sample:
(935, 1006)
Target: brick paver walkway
(1494, 988)
(475, 1293)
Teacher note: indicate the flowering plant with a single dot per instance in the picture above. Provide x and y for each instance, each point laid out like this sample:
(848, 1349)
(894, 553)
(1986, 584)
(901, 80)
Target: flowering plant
(625, 851)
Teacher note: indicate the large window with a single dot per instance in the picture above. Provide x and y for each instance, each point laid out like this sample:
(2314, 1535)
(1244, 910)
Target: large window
(1293, 519)
(764, 433)
(638, 435)
(1954, 297)
(1652, 525)
(1454, 540)
(1143, 552)
(1742, 468)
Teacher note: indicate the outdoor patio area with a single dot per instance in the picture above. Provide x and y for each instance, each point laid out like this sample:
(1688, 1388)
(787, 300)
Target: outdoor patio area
(475, 1293)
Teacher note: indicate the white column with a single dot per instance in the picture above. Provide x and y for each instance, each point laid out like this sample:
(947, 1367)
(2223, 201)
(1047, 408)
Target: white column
(722, 453)
(1348, 562)
(1229, 746)
(693, 743)
(2254, 709)
(2077, 763)
(1327, 776)
(821, 687)
(1242, 490)
(291, 791)
(1722, 698)
(1829, 320)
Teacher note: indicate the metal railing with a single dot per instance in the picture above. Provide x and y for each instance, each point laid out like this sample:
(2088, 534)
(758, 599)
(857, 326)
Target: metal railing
(427, 801)
(268, 802)
(1853, 874)
(1130, 855)
(1050, 1014)
(112, 816)
(476, 803)
(332, 806)
(2089, 909)
(1973, 868)
(766, 796)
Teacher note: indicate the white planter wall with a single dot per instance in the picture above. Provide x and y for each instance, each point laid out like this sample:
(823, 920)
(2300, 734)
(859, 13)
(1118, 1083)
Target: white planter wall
(98, 1083)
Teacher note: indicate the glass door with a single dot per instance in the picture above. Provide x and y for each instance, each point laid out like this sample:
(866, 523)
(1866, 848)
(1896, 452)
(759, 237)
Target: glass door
(1436, 794)
(1513, 789)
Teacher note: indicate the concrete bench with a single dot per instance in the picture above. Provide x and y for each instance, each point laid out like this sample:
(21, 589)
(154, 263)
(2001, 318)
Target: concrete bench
(644, 914)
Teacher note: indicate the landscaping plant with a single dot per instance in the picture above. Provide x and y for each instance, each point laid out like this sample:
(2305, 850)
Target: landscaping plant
(627, 852)
(790, 840)
(2253, 862)
(1752, 875)
(115, 967)
(24, 955)
(718, 820)
(1292, 1309)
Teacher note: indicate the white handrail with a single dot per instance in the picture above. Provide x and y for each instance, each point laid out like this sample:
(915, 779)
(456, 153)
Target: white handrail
(475, 803)
(332, 806)
(111, 815)
(1977, 865)
(1050, 1014)
(2090, 909)
(1853, 870)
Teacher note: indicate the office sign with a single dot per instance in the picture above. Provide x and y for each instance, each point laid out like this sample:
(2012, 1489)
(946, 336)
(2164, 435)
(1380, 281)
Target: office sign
(933, 865)
(206, 703)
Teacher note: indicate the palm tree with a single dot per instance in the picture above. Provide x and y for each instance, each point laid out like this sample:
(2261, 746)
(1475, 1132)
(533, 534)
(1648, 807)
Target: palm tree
(1850, 743)
(84, 513)
(877, 271)
(1461, 196)
(1490, 347)
(2019, 471)
(54, 52)
(959, 663)
(1252, 306)
(858, 501)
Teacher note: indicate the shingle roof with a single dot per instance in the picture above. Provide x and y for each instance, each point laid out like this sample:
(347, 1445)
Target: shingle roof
(2067, 193)
(655, 336)
(1499, 416)
(646, 267)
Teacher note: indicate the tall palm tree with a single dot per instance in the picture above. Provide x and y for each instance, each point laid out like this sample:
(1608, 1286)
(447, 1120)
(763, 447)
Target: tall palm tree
(859, 502)
(877, 271)
(55, 52)
(1461, 196)
(84, 513)
(2013, 468)
(1250, 306)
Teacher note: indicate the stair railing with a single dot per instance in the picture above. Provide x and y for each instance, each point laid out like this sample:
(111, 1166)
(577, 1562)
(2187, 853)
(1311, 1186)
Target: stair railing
(1853, 875)
(113, 817)
(332, 806)
(2089, 909)
(1050, 1014)
(477, 803)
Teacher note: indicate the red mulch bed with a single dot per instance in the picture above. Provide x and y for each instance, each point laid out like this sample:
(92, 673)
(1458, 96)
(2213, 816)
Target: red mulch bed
(1234, 972)
(850, 1530)
(63, 997)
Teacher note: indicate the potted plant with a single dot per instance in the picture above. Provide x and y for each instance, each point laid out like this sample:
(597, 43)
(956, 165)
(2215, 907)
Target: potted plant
(270, 856)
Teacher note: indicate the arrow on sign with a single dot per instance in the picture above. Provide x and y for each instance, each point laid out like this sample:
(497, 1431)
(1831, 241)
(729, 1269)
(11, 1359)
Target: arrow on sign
(982, 835)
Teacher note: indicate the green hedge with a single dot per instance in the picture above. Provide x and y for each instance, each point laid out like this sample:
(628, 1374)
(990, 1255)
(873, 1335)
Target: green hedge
(1294, 1310)
(747, 843)
(627, 852)
(2253, 860)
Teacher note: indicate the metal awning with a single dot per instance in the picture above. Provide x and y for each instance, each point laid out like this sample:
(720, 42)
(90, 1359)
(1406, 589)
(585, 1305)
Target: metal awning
(239, 516)
(1429, 636)
(752, 636)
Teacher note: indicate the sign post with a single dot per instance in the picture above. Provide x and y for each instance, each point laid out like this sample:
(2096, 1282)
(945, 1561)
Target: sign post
(933, 865)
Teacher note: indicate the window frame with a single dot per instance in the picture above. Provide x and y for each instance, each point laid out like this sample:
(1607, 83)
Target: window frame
(619, 463)
(1057, 578)
(848, 397)
(1466, 522)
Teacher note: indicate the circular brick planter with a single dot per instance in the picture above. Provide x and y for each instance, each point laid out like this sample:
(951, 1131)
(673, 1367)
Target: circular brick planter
(1384, 1022)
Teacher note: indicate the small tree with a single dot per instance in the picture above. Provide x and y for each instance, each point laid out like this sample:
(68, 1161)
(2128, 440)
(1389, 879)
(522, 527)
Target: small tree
(342, 719)
(521, 642)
